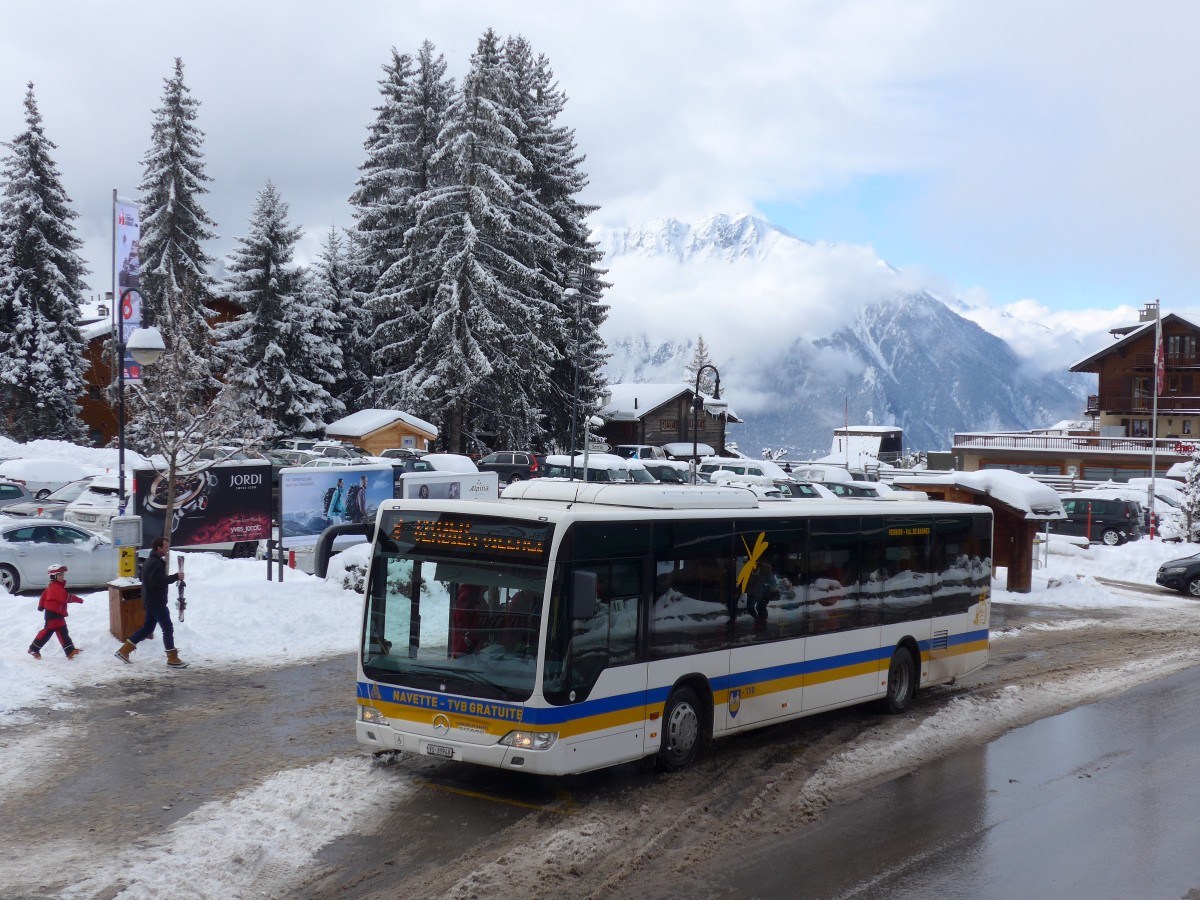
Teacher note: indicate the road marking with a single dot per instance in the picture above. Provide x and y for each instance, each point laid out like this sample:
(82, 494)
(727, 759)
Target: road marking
(563, 807)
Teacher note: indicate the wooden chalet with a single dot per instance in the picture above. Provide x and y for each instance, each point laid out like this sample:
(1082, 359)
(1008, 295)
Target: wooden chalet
(1115, 438)
(660, 414)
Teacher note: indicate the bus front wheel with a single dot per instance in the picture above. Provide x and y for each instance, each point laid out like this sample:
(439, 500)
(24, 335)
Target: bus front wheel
(901, 683)
(681, 731)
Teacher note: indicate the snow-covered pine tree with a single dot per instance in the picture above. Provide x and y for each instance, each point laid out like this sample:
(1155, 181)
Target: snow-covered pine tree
(398, 169)
(700, 358)
(41, 285)
(174, 284)
(556, 179)
(478, 243)
(332, 317)
(265, 347)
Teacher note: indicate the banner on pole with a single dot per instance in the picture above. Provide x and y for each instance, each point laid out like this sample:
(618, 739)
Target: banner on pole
(126, 264)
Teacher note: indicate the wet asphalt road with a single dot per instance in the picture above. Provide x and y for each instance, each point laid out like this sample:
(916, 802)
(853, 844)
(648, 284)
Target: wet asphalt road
(1099, 802)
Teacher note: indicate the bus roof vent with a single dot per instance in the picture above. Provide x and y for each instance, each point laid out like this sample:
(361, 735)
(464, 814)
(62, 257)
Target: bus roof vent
(641, 496)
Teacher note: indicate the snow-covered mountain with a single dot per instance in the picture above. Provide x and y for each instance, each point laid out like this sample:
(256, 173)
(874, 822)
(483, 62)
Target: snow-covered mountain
(800, 330)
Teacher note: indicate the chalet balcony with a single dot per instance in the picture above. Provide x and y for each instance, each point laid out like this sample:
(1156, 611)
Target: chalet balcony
(1170, 360)
(1169, 404)
(1072, 444)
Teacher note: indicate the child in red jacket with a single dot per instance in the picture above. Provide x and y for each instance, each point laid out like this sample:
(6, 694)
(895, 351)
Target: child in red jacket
(54, 602)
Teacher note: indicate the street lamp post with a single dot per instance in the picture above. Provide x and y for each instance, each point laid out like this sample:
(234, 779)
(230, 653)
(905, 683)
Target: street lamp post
(575, 391)
(697, 405)
(145, 345)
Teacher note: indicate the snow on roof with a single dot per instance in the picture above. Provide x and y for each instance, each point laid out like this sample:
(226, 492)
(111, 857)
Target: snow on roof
(629, 402)
(93, 330)
(1038, 501)
(366, 421)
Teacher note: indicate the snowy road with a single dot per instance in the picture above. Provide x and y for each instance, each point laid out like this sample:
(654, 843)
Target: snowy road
(247, 783)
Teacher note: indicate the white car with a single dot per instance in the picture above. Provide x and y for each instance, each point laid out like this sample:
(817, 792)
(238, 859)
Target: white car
(97, 506)
(29, 546)
(600, 467)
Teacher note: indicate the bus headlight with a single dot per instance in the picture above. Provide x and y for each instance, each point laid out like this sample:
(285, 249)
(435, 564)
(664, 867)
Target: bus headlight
(372, 716)
(530, 740)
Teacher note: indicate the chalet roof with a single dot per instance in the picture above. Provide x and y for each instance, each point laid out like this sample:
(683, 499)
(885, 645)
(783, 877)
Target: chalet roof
(631, 402)
(1091, 363)
(367, 421)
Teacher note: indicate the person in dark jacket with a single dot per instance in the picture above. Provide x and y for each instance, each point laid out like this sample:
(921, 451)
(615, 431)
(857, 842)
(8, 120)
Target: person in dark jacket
(154, 596)
(54, 602)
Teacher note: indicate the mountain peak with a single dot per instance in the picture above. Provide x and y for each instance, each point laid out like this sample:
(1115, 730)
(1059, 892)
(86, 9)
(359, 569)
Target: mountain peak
(719, 236)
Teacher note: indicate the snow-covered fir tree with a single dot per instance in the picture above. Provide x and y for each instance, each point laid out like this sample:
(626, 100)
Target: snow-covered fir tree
(332, 323)
(41, 285)
(700, 359)
(173, 281)
(268, 348)
(398, 170)
(556, 180)
(483, 366)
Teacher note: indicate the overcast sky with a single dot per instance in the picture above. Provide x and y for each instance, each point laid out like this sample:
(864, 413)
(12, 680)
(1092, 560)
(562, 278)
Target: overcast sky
(1020, 151)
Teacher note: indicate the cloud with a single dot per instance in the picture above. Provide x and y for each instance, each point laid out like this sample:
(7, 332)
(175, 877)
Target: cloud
(1039, 151)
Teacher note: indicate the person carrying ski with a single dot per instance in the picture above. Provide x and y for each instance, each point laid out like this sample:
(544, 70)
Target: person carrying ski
(54, 602)
(154, 595)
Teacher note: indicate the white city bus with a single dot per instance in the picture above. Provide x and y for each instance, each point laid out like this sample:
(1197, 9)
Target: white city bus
(571, 626)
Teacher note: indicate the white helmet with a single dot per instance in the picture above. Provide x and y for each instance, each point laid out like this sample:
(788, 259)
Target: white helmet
(57, 569)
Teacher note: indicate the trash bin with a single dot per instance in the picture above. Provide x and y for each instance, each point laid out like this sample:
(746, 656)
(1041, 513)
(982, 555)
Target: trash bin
(125, 610)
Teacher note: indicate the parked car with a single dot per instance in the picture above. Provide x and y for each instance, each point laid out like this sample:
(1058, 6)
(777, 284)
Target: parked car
(513, 465)
(600, 467)
(799, 490)
(294, 457)
(29, 546)
(43, 477)
(327, 462)
(97, 506)
(1181, 575)
(295, 444)
(737, 466)
(1113, 520)
(667, 471)
(13, 492)
(402, 453)
(640, 451)
(338, 450)
(53, 506)
(855, 489)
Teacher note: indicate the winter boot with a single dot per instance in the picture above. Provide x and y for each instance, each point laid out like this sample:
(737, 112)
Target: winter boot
(124, 650)
(174, 661)
(35, 653)
(73, 652)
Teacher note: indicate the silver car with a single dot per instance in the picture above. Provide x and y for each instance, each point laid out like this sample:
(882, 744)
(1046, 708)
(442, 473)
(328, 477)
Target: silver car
(13, 492)
(53, 506)
(29, 546)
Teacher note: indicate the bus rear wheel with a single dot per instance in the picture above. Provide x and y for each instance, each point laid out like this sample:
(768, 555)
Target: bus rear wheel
(901, 683)
(681, 731)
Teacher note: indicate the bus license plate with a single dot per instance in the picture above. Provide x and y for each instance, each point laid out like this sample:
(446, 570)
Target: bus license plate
(438, 750)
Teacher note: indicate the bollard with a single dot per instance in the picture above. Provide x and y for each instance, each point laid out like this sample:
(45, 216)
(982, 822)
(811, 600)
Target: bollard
(291, 559)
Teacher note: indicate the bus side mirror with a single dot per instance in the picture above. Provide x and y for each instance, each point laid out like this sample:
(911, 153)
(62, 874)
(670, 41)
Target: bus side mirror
(583, 594)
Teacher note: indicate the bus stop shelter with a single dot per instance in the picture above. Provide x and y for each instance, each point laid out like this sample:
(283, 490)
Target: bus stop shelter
(1020, 507)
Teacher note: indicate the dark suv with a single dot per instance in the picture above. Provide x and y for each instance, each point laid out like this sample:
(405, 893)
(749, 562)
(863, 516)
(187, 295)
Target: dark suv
(1113, 521)
(513, 465)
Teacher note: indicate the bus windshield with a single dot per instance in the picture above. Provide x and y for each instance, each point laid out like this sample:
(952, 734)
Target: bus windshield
(454, 603)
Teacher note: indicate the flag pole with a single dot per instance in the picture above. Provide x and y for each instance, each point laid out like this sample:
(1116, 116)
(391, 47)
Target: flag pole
(1159, 377)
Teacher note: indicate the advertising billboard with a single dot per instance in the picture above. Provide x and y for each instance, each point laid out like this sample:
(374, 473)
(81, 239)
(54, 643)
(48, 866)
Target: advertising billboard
(448, 486)
(313, 498)
(219, 507)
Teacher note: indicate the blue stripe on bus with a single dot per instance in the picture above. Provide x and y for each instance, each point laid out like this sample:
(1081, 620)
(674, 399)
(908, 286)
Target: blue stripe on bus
(551, 716)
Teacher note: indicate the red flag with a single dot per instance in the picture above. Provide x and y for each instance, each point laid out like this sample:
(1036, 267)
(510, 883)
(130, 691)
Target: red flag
(1160, 368)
